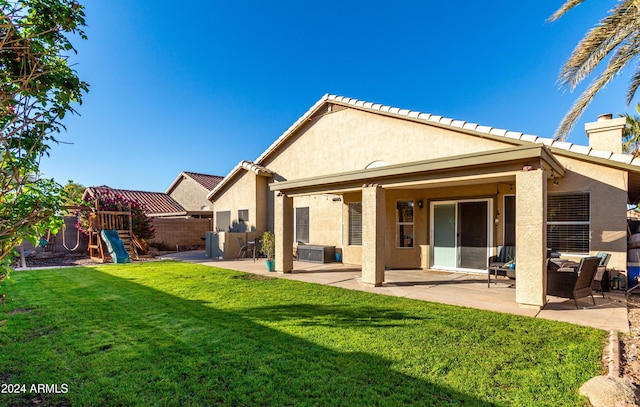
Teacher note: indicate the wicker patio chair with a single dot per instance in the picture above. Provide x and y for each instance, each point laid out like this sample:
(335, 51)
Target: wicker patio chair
(567, 283)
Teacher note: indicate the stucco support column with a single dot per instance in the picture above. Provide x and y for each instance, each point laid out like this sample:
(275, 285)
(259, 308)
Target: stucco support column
(373, 234)
(283, 231)
(531, 238)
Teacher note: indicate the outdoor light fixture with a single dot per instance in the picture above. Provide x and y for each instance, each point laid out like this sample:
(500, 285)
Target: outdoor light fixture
(420, 204)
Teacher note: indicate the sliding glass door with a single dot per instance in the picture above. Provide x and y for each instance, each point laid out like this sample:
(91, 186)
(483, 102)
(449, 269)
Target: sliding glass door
(460, 234)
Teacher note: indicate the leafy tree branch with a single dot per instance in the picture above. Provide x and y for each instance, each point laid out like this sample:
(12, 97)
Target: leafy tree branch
(38, 87)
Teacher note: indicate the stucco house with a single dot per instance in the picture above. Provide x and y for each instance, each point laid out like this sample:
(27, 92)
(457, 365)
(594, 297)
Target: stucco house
(397, 189)
(190, 189)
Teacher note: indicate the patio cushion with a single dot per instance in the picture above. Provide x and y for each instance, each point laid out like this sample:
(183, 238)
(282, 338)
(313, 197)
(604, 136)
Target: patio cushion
(604, 258)
(505, 255)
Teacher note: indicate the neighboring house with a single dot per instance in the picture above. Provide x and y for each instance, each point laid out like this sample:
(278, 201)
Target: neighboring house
(397, 189)
(190, 189)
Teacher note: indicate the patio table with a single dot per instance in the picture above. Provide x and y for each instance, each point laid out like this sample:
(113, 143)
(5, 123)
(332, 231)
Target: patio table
(499, 270)
(563, 265)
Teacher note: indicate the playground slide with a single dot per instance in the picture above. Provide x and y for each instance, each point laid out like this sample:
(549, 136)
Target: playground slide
(115, 246)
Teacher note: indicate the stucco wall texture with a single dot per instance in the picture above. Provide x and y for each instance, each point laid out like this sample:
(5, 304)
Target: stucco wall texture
(191, 195)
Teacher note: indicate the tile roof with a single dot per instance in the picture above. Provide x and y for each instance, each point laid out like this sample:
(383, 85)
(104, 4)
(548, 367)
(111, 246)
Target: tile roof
(154, 202)
(246, 165)
(253, 167)
(206, 180)
(427, 118)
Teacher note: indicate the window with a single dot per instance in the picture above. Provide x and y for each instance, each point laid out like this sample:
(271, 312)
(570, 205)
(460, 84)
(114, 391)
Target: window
(510, 220)
(355, 224)
(302, 225)
(223, 221)
(404, 225)
(243, 215)
(568, 223)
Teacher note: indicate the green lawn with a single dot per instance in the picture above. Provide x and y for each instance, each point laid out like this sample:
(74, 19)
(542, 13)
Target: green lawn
(167, 333)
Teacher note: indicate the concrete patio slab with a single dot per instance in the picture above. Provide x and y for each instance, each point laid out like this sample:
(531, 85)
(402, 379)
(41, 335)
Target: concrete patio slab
(461, 289)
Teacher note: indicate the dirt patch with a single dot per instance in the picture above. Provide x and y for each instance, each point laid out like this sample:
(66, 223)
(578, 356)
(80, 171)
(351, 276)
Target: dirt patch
(630, 345)
(20, 311)
(61, 261)
(253, 277)
(68, 261)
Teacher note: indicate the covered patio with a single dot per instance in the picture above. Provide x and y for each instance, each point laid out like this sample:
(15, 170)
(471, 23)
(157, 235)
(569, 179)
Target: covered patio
(461, 289)
(461, 179)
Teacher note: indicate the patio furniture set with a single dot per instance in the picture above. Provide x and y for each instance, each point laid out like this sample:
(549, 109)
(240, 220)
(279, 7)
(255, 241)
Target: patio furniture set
(566, 279)
(253, 248)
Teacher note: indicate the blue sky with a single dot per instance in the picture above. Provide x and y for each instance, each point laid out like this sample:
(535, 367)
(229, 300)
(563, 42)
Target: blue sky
(202, 86)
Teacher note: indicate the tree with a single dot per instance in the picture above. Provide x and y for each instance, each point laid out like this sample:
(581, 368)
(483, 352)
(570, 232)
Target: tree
(37, 89)
(73, 193)
(631, 137)
(618, 35)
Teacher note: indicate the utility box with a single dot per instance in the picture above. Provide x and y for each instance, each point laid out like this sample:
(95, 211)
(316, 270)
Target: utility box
(317, 254)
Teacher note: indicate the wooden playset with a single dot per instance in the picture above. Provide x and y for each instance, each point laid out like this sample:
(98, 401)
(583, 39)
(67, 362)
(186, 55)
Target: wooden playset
(119, 246)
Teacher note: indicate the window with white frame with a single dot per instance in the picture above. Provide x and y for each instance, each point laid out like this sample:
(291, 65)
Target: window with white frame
(302, 225)
(243, 215)
(569, 223)
(355, 224)
(404, 224)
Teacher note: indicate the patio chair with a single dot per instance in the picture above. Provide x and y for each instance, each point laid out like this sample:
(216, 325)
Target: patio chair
(257, 249)
(505, 255)
(601, 279)
(244, 248)
(567, 283)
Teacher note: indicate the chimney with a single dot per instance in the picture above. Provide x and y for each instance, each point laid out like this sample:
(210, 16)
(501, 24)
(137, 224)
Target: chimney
(606, 133)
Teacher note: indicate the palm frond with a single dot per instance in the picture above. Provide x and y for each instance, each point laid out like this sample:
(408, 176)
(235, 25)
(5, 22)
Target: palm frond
(631, 137)
(623, 55)
(634, 83)
(622, 22)
(568, 5)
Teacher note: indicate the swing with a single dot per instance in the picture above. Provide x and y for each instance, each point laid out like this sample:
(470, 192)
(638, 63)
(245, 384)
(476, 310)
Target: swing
(42, 243)
(64, 243)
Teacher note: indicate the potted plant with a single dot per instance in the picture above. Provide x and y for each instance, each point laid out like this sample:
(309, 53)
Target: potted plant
(268, 242)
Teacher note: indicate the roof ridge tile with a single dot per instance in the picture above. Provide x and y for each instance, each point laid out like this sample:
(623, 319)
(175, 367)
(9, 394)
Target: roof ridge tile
(498, 132)
(470, 126)
(565, 145)
(623, 158)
